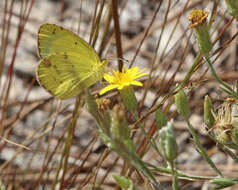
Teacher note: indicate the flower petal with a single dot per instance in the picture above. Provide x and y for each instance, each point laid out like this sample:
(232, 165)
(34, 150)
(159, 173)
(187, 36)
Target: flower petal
(140, 75)
(108, 88)
(108, 78)
(136, 83)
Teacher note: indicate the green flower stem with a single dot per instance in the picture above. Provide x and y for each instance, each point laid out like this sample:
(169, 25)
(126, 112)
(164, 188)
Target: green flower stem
(236, 87)
(175, 176)
(175, 181)
(149, 139)
(228, 151)
(233, 146)
(168, 171)
(201, 149)
(130, 155)
(188, 74)
(140, 165)
(2, 187)
(224, 84)
(183, 109)
(130, 102)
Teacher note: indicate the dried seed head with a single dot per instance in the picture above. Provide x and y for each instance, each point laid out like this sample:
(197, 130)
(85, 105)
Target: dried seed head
(197, 18)
(226, 125)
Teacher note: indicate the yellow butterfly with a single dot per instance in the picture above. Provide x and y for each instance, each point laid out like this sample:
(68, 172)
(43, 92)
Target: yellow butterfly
(69, 64)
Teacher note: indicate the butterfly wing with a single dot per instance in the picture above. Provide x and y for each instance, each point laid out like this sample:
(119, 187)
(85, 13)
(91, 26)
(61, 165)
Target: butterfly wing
(66, 74)
(54, 39)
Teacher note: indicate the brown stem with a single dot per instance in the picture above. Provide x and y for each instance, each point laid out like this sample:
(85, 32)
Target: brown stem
(117, 33)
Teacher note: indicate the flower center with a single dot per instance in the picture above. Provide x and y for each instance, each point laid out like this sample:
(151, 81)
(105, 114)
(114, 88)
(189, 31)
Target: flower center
(122, 78)
(197, 17)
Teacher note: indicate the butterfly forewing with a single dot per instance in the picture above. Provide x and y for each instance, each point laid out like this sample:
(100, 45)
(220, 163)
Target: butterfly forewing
(54, 39)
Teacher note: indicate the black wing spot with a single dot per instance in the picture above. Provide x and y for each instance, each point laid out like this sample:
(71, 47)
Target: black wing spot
(65, 55)
(46, 63)
(54, 78)
(50, 91)
(43, 86)
(61, 28)
(54, 31)
(76, 43)
(56, 69)
(74, 74)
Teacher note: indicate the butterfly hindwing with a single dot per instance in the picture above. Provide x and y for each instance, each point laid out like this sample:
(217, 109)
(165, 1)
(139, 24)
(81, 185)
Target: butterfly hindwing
(65, 74)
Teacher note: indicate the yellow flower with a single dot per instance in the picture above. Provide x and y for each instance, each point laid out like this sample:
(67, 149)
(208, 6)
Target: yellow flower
(119, 80)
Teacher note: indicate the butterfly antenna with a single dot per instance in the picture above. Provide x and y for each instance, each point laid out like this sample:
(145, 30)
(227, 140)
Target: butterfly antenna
(115, 59)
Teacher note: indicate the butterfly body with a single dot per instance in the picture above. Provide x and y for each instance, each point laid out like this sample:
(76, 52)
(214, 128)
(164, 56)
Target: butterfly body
(69, 64)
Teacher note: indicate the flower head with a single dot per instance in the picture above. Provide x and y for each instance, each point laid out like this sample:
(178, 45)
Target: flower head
(119, 80)
(197, 18)
(225, 128)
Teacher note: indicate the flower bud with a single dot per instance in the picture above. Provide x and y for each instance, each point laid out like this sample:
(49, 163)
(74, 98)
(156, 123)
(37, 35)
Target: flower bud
(182, 104)
(103, 103)
(209, 118)
(124, 182)
(168, 143)
(129, 99)
(119, 130)
(232, 7)
(102, 117)
(221, 183)
(91, 105)
(198, 19)
(160, 119)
